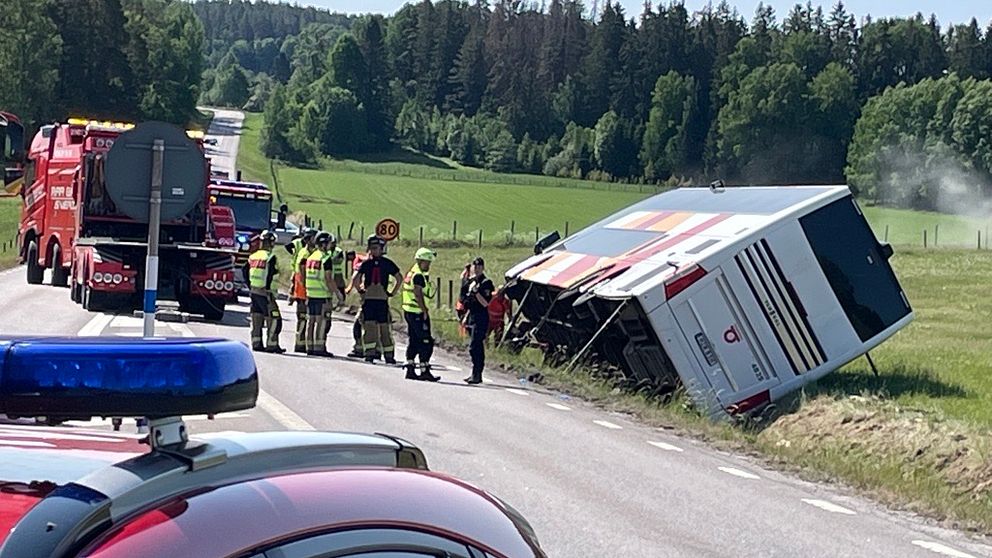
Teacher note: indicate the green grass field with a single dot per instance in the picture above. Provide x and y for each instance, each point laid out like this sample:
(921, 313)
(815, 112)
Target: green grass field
(10, 216)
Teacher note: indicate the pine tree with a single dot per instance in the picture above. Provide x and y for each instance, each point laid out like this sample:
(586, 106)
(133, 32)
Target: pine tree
(468, 76)
(378, 103)
(966, 51)
(30, 49)
(599, 66)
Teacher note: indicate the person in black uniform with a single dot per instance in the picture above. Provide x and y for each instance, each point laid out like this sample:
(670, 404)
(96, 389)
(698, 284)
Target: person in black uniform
(478, 292)
(372, 283)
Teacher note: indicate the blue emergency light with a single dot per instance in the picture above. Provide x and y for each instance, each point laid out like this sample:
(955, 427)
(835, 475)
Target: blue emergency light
(81, 378)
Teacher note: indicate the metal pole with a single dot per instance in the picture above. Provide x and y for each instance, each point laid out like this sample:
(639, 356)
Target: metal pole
(595, 336)
(516, 315)
(154, 224)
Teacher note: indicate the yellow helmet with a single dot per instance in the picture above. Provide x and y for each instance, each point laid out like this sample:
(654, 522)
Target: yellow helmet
(425, 254)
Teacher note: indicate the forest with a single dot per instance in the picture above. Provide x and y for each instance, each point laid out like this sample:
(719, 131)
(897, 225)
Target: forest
(899, 108)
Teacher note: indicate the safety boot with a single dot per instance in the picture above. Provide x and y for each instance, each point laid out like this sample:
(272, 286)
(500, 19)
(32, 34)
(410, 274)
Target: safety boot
(411, 371)
(426, 375)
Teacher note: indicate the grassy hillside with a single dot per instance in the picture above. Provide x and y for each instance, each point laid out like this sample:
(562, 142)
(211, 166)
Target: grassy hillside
(10, 216)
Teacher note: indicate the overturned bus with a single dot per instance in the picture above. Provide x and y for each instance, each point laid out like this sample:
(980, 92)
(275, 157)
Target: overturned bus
(740, 295)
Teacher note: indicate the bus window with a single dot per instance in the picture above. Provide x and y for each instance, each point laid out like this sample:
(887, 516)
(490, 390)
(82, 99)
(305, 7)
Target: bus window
(855, 267)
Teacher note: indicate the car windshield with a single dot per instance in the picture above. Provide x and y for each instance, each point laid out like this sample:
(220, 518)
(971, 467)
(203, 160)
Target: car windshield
(251, 214)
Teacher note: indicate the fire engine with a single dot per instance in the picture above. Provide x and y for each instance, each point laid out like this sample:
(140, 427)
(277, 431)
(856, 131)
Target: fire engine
(11, 153)
(70, 224)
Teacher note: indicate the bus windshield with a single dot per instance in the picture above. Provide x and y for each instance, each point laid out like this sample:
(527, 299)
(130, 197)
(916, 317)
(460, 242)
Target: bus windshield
(858, 272)
(249, 214)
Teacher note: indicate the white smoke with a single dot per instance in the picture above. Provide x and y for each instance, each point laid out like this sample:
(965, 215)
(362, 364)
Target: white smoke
(933, 178)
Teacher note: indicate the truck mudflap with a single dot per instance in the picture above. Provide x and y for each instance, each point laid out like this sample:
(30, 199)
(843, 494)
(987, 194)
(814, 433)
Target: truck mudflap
(613, 336)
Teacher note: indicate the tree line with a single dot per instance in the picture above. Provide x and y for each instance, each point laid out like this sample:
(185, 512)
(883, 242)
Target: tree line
(666, 96)
(109, 59)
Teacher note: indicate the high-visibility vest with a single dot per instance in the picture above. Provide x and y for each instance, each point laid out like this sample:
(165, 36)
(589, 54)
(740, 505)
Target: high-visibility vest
(300, 255)
(409, 293)
(314, 275)
(258, 268)
(337, 258)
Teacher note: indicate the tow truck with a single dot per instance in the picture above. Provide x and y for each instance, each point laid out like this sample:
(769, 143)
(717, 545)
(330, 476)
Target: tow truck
(71, 225)
(11, 153)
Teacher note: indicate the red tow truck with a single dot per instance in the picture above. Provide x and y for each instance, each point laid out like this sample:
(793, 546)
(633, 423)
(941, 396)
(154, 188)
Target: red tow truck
(70, 224)
(11, 153)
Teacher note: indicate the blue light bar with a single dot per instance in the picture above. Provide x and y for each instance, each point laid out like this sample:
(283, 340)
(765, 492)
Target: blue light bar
(80, 378)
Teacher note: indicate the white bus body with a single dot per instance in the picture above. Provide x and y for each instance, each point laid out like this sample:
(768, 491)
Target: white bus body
(742, 295)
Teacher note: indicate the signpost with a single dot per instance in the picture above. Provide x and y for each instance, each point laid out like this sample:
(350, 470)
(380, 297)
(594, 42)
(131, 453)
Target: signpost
(387, 229)
(155, 173)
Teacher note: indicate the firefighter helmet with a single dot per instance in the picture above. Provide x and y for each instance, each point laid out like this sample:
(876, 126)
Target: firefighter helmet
(267, 236)
(323, 237)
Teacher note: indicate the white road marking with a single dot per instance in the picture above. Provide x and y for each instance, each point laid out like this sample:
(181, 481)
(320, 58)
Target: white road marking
(606, 424)
(457, 369)
(484, 380)
(558, 406)
(182, 329)
(96, 325)
(516, 391)
(281, 413)
(739, 473)
(126, 322)
(828, 506)
(664, 446)
(26, 444)
(941, 549)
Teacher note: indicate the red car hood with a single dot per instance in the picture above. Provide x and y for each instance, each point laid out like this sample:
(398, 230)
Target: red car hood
(34, 460)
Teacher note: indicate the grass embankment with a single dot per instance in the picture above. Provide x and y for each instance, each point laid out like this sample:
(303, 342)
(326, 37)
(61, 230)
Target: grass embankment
(917, 436)
(10, 216)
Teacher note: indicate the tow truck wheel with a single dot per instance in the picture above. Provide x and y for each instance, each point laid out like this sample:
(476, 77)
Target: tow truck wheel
(75, 292)
(60, 275)
(36, 273)
(94, 301)
(214, 311)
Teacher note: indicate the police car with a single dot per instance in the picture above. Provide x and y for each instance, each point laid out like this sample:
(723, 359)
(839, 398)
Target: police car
(74, 492)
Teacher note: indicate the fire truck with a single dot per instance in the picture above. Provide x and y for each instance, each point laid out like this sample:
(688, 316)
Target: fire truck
(70, 224)
(11, 153)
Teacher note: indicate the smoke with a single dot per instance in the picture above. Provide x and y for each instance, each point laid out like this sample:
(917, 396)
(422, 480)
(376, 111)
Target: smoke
(933, 178)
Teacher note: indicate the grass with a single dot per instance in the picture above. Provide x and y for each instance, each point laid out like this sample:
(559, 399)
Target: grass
(10, 216)
(935, 377)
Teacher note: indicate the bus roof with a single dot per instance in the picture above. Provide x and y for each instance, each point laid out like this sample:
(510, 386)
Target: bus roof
(651, 240)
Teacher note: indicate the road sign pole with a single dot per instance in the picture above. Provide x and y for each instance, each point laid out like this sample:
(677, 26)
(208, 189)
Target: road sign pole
(154, 224)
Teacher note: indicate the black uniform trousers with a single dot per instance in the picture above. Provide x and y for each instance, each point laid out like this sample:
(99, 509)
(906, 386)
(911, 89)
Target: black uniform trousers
(479, 327)
(421, 342)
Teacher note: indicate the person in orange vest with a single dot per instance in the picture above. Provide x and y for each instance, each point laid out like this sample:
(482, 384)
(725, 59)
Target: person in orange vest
(358, 351)
(499, 308)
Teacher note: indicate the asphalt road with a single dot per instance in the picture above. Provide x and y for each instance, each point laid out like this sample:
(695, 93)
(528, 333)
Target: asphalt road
(226, 129)
(593, 484)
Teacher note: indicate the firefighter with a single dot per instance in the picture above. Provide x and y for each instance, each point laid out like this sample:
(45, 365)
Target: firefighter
(417, 288)
(303, 247)
(319, 278)
(372, 283)
(265, 314)
(478, 294)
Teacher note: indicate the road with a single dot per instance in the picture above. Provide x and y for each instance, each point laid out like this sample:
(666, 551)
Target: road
(593, 484)
(226, 129)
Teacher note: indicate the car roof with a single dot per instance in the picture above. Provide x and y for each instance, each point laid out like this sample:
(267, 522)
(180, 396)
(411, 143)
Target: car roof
(281, 508)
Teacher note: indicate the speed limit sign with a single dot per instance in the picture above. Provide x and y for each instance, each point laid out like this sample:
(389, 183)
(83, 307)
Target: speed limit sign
(387, 229)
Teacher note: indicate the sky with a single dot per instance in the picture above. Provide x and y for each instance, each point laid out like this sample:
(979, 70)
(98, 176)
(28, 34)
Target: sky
(948, 11)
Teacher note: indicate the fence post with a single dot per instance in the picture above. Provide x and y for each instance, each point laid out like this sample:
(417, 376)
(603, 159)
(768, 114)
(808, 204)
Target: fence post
(339, 233)
(454, 230)
(886, 233)
(566, 229)
(513, 228)
(537, 233)
(480, 238)
(422, 243)
(320, 224)
(924, 238)
(451, 295)
(936, 230)
(351, 229)
(438, 291)
(362, 237)
(979, 239)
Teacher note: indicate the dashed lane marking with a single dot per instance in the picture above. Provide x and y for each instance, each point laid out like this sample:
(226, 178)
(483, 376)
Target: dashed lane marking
(485, 380)
(739, 473)
(96, 325)
(516, 391)
(558, 406)
(606, 424)
(664, 446)
(828, 506)
(182, 329)
(281, 413)
(942, 549)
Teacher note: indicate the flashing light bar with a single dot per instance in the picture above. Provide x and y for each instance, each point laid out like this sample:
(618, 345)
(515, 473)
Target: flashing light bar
(101, 124)
(77, 378)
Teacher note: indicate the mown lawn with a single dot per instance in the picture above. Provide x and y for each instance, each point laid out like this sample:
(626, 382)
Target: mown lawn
(10, 216)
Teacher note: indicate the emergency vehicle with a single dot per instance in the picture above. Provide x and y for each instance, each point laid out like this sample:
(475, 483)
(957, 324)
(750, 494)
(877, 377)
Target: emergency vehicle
(739, 295)
(70, 224)
(11, 153)
(69, 492)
